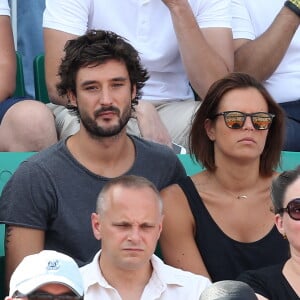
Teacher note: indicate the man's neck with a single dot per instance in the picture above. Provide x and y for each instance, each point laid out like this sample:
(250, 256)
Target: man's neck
(108, 157)
(130, 284)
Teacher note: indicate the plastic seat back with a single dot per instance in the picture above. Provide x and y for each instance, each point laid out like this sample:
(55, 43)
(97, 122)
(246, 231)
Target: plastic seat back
(40, 86)
(20, 85)
(9, 162)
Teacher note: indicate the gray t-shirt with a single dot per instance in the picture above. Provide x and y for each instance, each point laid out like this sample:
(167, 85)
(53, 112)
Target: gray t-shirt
(52, 191)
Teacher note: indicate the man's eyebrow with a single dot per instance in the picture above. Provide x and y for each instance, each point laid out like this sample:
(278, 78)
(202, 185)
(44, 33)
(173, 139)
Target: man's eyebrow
(120, 222)
(88, 82)
(120, 78)
(148, 224)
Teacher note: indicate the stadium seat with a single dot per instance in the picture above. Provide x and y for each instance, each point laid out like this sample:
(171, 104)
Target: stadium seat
(20, 85)
(41, 92)
(9, 161)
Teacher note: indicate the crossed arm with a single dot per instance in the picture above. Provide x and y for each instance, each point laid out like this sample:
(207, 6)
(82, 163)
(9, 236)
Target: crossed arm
(260, 57)
(207, 54)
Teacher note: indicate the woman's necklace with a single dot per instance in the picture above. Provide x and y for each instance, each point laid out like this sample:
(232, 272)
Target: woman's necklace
(239, 196)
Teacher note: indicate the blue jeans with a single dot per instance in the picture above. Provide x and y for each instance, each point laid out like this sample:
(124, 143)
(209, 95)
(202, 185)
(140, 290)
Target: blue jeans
(6, 104)
(30, 37)
(292, 137)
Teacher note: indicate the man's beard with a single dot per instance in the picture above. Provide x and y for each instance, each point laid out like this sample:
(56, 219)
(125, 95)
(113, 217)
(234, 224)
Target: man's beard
(97, 131)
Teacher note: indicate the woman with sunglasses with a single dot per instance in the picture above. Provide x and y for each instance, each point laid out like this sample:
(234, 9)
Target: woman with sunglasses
(281, 281)
(218, 222)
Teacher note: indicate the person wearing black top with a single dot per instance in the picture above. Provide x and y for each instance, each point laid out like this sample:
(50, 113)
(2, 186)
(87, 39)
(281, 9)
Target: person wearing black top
(218, 222)
(281, 281)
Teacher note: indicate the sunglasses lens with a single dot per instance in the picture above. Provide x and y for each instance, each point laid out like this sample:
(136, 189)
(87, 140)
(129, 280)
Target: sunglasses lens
(294, 209)
(261, 121)
(234, 119)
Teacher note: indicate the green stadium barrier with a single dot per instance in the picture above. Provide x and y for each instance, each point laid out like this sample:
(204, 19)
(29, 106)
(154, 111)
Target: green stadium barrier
(9, 161)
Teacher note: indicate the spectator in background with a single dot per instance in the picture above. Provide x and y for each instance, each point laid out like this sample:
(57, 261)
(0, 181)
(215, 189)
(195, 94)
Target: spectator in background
(128, 221)
(44, 276)
(179, 42)
(49, 199)
(281, 281)
(24, 125)
(267, 46)
(30, 37)
(218, 222)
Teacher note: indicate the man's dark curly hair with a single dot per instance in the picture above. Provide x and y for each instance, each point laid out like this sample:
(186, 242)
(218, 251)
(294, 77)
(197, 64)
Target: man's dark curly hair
(95, 48)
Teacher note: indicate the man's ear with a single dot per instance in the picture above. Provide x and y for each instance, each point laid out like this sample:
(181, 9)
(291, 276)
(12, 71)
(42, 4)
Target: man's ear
(96, 225)
(160, 226)
(133, 92)
(210, 129)
(72, 99)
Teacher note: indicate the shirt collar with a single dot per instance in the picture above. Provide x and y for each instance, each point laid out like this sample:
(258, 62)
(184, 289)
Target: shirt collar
(93, 274)
(165, 273)
(162, 274)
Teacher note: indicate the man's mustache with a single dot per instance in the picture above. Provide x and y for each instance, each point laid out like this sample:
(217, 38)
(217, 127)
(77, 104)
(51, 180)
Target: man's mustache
(105, 109)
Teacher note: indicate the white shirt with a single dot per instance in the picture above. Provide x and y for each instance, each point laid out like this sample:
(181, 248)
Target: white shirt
(4, 8)
(166, 283)
(251, 18)
(147, 25)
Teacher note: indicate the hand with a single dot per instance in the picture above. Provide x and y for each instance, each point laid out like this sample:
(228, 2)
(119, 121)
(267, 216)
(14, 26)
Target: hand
(150, 124)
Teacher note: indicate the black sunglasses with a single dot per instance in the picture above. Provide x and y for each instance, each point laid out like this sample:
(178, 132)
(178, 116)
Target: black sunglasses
(293, 209)
(47, 296)
(236, 119)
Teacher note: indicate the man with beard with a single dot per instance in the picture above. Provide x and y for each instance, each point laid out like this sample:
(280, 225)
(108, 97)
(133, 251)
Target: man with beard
(182, 43)
(48, 201)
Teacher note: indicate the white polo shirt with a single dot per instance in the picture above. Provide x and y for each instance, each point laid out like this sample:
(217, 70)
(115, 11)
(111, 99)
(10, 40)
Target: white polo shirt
(251, 18)
(147, 25)
(4, 8)
(166, 283)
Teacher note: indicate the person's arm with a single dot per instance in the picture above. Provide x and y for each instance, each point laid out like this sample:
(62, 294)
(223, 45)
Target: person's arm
(54, 42)
(177, 241)
(20, 242)
(150, 124)
(207, 53)
(261, 56)
(7, 59)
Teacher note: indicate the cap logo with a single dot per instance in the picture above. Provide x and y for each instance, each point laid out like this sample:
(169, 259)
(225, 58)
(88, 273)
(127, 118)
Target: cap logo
(53, 265)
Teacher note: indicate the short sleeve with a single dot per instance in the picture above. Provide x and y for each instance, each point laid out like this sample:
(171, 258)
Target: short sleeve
(242, 27)
(27, 199)
(4, 8)
(70, 16)
(212, 13)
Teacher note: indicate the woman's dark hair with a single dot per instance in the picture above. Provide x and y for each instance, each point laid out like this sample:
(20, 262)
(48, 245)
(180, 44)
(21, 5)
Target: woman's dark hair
(203, 148)
(280, 185)
(93, 49)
